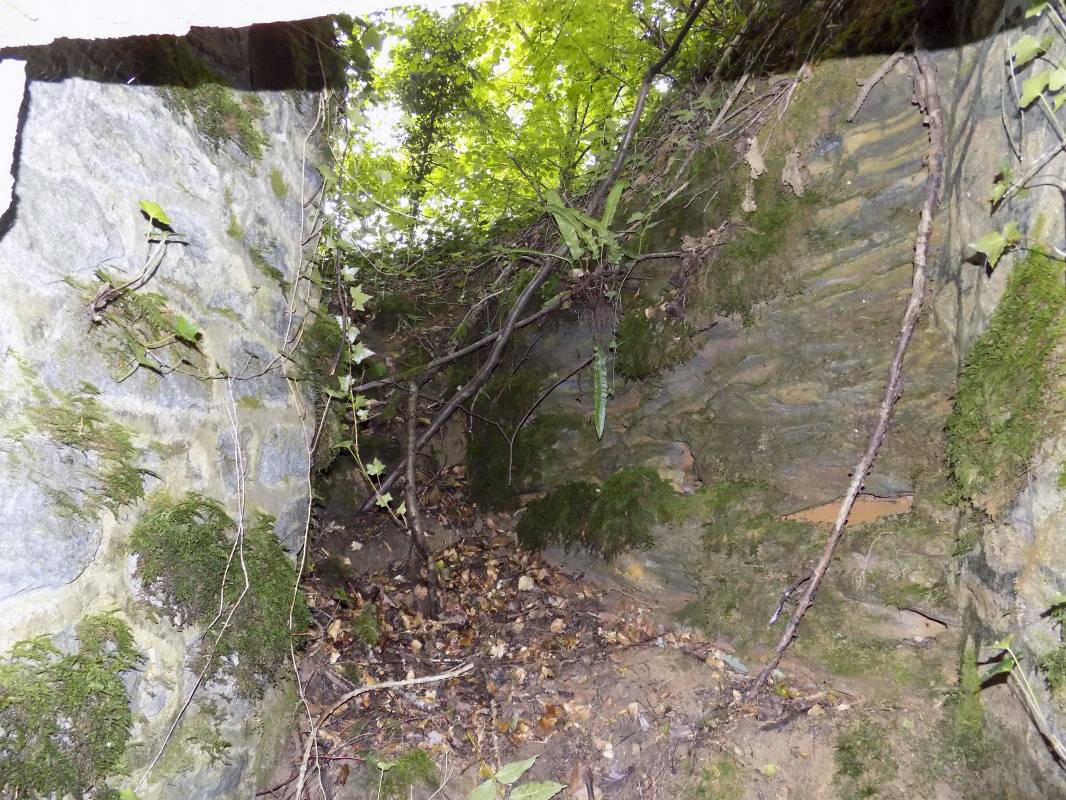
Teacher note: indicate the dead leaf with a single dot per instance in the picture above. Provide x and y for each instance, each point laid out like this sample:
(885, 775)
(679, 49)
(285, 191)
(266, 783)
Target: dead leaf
(334, 630)
(754, 158)
(795, 174)
(748, 204)
(558, 625)
(525, 583)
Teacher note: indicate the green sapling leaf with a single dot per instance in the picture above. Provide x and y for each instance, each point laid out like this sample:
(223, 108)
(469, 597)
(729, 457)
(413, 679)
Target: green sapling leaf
(155, 212)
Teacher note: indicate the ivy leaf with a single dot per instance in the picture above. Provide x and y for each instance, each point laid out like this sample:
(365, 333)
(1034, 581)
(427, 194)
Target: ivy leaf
(1036, 10)
(383, 500)
(511, 772)
(1005, 666)
(1033, 87)
(993, 244)
(348, 273)
(485, 791)
(1057, 79)
(401, 509)
(998, 190)
(536, 790)
(185, 330)
(359, 297)
(375, 468)
(155, 212)
(1026, 49)
(360, 353)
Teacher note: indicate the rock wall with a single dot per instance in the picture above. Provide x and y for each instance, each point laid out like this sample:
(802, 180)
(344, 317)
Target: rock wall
(769, 410)
(140, 367)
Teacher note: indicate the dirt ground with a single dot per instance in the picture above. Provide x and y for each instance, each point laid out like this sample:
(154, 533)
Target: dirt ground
(599, 683)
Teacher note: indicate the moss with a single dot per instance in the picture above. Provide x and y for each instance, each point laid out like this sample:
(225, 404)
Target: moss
(320, 346)
(1002, 401)
(876, 28)
(221, 114)
(499, 471)
(398, 776)
(965, 713)
(76, 419)
(615, 518)
(234, 229)
(1053, 663)
(723, 779)
(264, 266)
(183, 549)
(392, 308)
(864, 764)
(227, 312)
(277, 183)
(365, 625)
(250, 403)
(65, 717)
(648, 347)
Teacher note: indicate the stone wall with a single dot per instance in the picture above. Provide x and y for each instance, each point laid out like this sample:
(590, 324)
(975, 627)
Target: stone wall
(116, 396)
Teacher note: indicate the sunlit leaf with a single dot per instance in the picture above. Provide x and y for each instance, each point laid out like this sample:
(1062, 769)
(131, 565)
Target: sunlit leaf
(375, 468)
(360, 353)
(1033, 87)
(512, 771)
(155, 212)
(1026, 49)
(484, 791)
(536, 790)
(359, 297)
(383, 500)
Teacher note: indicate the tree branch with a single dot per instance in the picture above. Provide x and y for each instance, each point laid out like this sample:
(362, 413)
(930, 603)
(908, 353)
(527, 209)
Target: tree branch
(929, 99)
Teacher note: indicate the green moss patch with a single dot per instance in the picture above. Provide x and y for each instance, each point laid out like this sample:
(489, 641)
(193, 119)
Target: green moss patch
(184, 552)
(65, 717)
(221, 114)
(722, 779)
(604, 521)
(863, 760)
(648, 347)
(76, 419)
(499, 470)
(1002, 402)
(277, 183)
(397, 776)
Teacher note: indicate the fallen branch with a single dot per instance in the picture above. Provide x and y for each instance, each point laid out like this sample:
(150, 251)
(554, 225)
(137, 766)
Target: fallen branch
(547, 265)
(867, 85)
(929, 100)
(344, 700)
(413, 518)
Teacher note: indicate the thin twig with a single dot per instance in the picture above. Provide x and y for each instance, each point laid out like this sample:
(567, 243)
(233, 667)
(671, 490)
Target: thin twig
(867, 85)
(929, 99)
(337, 706)
(413, 518)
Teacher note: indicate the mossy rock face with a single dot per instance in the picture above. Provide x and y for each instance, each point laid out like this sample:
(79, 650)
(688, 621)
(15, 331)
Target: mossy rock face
(65, 717)
(184, 552)
(500, 470)
(604, 521)
(1004, 392)
(648, 347)
(76, 419)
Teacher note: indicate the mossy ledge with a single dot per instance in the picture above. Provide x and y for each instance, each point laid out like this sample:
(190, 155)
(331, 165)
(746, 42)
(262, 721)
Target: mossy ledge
(649, 347)
(1002, 401)
(183, 550)
(604, 521)
(65, 717)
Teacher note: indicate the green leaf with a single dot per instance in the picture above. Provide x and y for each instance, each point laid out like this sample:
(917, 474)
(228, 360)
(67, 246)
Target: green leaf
(127, 794)
(1003, 643)
(1012, 233)
(1058, 600)
(1032, 87)
(998, 190)
(511, 772)
(1036, 9)
(612, 203)
(1057, 79)
(154, 211)
(385, 766)
(536, 790)
(360, 353)
(1026, 49)
(383, 500)
(485, 791)
(375, 468)
(1005, 666)
(992, 244)
(186, 330)
(359, 297)
(599, 392)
